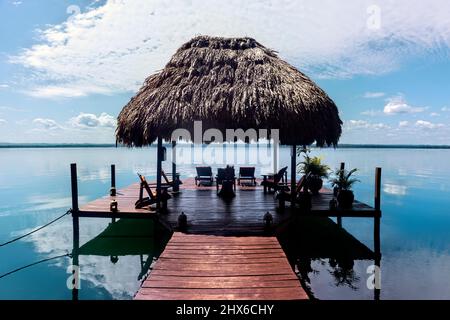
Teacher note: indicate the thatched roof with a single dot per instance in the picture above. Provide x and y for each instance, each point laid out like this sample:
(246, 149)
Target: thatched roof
(229, 83)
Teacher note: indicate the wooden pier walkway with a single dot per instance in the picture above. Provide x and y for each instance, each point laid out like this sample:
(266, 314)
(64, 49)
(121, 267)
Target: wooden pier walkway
(202, 267)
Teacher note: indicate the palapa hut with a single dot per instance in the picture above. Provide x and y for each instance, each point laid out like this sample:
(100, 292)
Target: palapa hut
(229, 83)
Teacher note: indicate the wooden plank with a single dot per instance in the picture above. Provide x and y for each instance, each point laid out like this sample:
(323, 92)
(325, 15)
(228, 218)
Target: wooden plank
(225, 251)
(222, 270)
(222, 294)
(211, 257)
(228, 260)
(223, 284)
(248, 279)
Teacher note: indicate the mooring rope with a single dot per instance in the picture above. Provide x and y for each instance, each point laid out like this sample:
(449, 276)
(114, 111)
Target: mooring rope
(36, 230)
(34, 263)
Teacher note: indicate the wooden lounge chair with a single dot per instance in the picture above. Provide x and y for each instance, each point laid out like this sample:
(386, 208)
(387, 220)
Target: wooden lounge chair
(247, 174)
(285, 195)
(275, 183)
(204, 174)
(167, 183)
(225, 174)
(152, 197)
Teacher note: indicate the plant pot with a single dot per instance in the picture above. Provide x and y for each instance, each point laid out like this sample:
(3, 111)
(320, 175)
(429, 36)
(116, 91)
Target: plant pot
(315, 184)
(345, 199)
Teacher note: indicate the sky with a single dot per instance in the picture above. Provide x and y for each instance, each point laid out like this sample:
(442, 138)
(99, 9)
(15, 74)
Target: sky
(67, 67)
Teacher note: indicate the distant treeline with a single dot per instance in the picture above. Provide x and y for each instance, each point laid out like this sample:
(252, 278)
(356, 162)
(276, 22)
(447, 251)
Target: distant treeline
(107, 145)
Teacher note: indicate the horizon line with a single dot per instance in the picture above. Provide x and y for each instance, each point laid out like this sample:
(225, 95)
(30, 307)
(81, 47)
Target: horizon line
(13, 145)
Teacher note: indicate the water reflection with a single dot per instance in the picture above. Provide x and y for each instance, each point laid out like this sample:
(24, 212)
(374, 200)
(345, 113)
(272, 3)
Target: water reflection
(121, 239)
(315, 245)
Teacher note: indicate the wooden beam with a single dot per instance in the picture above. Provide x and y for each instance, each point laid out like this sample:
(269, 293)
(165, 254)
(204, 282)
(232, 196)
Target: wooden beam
(113, 176)
(175, 186)
(74, 183)
(377, 218)
(76, 231)
(158, 172)
(377, 189)
(293, 172)
(275, 156)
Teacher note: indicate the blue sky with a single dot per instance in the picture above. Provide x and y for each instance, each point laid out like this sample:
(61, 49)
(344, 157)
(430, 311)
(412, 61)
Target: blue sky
(68, 67)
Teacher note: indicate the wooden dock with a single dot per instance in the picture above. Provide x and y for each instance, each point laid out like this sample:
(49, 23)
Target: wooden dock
(200, 267)
(241, 215)
(212, 262)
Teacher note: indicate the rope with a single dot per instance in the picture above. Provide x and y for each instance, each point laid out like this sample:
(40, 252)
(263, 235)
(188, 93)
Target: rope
(33, 264)
(36, 230)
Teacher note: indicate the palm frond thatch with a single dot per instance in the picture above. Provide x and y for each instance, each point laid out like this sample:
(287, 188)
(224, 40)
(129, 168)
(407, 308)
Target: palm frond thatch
(229, 83)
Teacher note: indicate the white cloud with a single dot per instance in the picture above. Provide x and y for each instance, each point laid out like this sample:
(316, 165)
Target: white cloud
(428, 125)
(434, 114)
(67, 91)
(373, 95)
(17, 3)
(88, 120)
(47, 124)
(115, 46)
(361, 124)
(403, 124)
(371, 113)
(398, 105)
(3, 121)
(4, 86)
(445, 109)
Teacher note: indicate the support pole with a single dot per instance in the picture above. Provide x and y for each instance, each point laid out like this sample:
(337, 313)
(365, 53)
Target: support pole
(275, 156)
(158, 173)
(113, 176)
(113, 190)
(293, 173)
(76, 231)
(339, 218)
(175, 181)
(377, 200)
(376, 233)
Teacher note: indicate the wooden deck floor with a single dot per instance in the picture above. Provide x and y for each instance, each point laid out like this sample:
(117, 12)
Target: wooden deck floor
(199, 267)
(210, 214)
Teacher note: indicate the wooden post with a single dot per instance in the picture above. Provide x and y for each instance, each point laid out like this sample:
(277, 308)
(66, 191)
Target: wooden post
(293, 173)
(113, 176)
(158, 172)
(377, 217)
(113, 185)
(339, 218)
(376, 230)
(74, 182)
(76, 231)
(175, 187)
(275, 157)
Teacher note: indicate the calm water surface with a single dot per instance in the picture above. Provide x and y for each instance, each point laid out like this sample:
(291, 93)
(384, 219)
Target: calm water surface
(35, 188)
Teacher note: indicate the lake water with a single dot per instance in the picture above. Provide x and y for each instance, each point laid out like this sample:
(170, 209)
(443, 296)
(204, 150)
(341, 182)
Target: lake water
(35, 188)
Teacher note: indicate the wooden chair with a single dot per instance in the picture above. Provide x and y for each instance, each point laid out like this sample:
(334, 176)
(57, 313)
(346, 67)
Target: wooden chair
(167, 183)
(275, 182)
(225, 174)
(247, 174)
(152, 197)
(285, 195)
(204, 174)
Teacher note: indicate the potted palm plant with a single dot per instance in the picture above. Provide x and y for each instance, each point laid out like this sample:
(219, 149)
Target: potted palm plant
(316, 170)
(344, 182)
